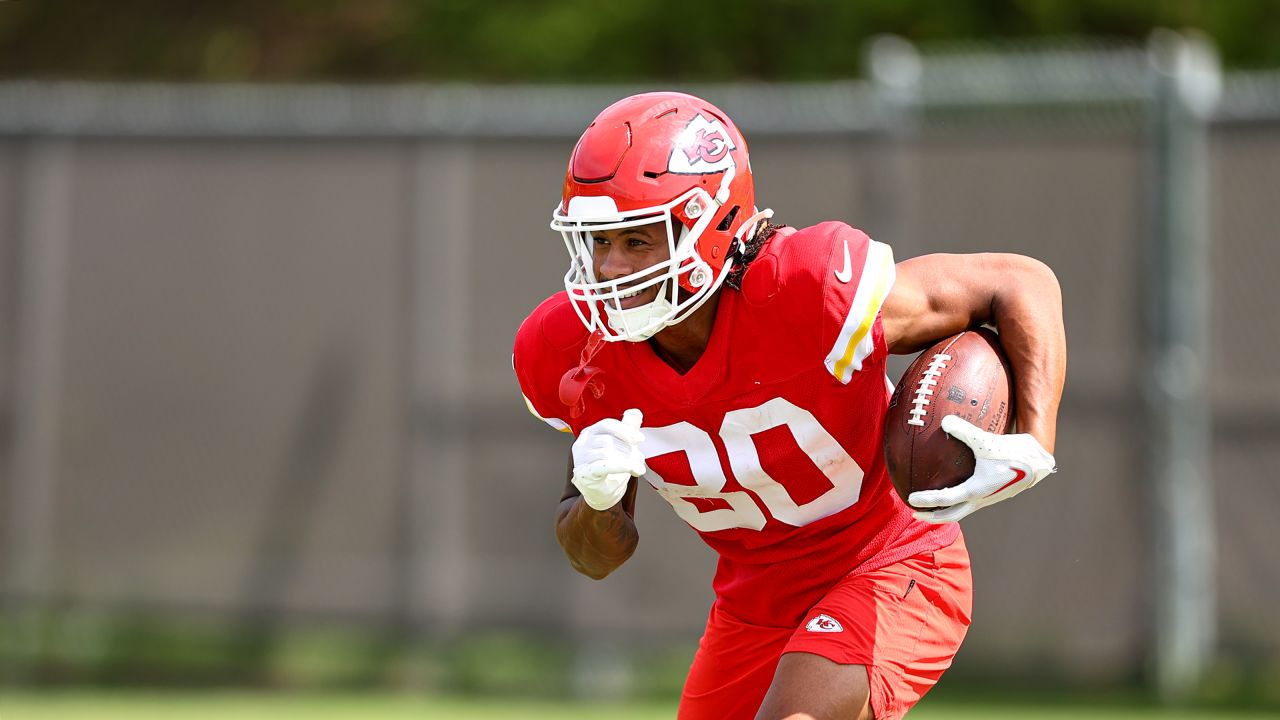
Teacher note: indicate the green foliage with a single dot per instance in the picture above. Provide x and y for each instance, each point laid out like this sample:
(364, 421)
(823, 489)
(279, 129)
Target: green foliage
(562, 40)
(137, 649)
(129, 651)
(133, 649)
(383, 706)
(502, 663)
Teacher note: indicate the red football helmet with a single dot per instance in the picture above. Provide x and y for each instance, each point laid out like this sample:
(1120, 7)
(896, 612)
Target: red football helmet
(655, 158)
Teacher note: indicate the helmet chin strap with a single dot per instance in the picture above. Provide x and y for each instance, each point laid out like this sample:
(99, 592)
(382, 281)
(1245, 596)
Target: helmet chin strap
(748, 226)
(643, 316)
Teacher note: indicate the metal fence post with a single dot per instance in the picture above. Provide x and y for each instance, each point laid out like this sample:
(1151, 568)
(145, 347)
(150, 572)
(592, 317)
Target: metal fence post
(438, 558)
(42, 305)
(895, 67)
(1187, 80)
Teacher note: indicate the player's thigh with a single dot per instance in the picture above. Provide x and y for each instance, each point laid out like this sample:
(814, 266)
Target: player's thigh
(887, 635)
(808, 684)
(732, 669)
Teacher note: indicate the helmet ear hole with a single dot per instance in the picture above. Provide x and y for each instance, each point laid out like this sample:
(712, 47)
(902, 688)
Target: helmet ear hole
(728, 219)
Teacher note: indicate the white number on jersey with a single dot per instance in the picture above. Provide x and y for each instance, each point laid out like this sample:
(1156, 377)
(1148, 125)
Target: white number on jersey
(736, 433)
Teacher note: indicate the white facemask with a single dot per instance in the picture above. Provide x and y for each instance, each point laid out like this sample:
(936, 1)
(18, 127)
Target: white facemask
(598, 302)
(643, 322)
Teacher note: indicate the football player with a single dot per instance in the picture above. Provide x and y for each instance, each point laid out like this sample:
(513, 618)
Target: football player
(738, 367)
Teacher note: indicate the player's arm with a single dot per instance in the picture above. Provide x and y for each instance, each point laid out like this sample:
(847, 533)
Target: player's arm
(596, 542)
(595, 521)
(936, 296)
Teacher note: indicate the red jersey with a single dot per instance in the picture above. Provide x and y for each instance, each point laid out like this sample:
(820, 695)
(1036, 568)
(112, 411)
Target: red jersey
(770, 445)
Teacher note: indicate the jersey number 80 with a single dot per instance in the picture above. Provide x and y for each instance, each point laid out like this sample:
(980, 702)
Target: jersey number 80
(736, 433)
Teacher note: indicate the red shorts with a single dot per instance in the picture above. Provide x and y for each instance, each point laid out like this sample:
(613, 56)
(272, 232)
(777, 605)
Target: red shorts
(904, 622)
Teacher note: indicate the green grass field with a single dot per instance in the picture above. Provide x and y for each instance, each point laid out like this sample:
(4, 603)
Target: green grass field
(268, 706)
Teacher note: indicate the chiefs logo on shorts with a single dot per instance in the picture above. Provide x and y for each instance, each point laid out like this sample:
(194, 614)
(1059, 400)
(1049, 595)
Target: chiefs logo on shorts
(824, 624)
(704, 146)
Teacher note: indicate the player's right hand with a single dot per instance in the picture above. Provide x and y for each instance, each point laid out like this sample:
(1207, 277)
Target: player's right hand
(606, 456)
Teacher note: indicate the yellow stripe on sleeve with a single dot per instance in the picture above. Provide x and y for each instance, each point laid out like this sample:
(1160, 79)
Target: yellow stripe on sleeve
(854, 342)
(556, 423)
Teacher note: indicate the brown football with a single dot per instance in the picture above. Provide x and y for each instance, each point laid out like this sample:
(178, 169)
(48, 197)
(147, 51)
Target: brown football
(966, 375)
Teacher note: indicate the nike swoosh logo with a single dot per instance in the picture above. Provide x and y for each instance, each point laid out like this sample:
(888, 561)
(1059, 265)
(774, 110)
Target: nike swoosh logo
(1018, 474)
(846, 274)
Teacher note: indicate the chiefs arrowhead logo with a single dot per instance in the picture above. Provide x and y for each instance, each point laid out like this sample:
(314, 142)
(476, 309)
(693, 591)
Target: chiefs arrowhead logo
(702, 147)
(709, 148)
(824, 624)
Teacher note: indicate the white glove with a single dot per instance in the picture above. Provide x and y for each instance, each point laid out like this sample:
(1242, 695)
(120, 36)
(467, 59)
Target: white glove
(1006, 465)
(605, 458)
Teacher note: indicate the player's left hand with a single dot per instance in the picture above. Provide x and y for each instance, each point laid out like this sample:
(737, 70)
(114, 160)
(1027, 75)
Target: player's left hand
(1005, 466)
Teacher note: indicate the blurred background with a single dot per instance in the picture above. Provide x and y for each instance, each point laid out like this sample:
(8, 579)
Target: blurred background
(261, 264)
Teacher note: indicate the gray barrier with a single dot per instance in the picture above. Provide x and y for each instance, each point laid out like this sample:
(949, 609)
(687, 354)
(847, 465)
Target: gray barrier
(255, 346)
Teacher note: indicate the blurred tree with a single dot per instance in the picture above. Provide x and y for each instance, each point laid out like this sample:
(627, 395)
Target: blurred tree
(561, 40)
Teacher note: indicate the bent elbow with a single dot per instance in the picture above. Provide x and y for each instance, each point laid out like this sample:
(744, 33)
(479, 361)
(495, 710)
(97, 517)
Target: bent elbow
(1046, 274)
(593, 572)
(597, 568)
(1035, 275)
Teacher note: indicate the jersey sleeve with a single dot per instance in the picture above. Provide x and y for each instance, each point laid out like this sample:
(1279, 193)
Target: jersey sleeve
(555, 422)
(860, 277)
(825, 285)
(539, 362)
